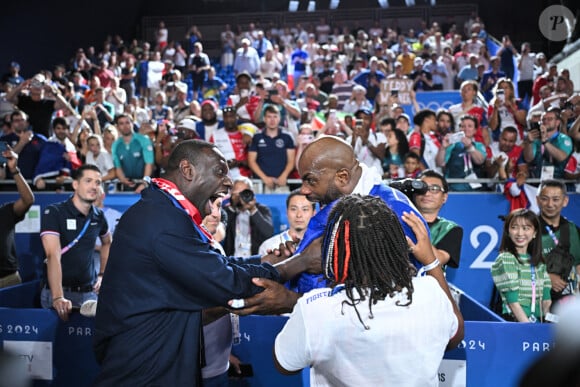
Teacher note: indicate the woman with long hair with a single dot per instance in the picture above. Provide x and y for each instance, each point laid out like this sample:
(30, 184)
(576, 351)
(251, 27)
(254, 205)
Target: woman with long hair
(519, 272)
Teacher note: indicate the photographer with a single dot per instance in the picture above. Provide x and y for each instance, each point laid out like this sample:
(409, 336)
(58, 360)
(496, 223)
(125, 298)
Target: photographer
(249, 223)
(446, 235)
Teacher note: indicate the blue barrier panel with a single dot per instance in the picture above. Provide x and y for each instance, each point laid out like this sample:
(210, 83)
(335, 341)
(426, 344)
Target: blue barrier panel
(255, 347)
(477, 213)
(25, 295)
(60, 354)
(433, 100)
(56, 353)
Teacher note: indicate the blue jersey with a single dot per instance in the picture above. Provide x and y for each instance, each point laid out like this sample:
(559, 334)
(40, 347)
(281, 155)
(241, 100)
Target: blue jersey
(396, 201)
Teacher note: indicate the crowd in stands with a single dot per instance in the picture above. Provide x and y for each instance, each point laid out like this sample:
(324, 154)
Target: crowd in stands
(289, 84)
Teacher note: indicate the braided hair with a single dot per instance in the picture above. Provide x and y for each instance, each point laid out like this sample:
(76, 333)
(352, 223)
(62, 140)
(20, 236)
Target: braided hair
(365, 249)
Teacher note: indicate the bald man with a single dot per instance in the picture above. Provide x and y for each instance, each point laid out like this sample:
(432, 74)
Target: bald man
(329, 170)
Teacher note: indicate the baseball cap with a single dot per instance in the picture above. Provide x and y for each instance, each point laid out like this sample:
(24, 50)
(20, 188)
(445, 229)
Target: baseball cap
(418, 61)
(187, 123)
(405, 116)
(181, 87)
(210, 102)
(15, 65)
(359, 88)
(244, 74)
(366, 112)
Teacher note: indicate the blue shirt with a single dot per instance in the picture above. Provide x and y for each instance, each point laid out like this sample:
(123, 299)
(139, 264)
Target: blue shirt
(271, 152)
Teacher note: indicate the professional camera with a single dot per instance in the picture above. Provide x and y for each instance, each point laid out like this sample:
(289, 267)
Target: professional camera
(410, 187)
(247, 195)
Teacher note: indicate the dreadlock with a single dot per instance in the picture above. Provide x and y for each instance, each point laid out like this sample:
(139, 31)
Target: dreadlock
(365, 249)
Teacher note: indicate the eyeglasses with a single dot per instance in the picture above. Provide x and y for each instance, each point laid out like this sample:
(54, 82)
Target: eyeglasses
(435, 188)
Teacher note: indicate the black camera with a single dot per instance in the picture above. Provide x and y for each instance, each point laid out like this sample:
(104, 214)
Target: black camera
(410, 187)
(247, 195)
(534, 126)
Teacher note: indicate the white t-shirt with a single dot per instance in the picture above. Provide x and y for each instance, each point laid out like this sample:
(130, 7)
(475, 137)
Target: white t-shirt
(364, 154)
(403, 347)
(103, 161)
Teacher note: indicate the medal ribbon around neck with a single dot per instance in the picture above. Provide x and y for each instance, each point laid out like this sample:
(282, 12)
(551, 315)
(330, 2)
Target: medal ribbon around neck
(171, 189)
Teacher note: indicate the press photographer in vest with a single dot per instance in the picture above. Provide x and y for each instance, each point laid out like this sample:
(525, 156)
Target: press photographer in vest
(446, 235)
(560, 241)
(69, 230)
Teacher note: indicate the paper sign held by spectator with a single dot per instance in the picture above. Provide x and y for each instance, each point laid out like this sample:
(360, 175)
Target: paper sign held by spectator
(401, 87)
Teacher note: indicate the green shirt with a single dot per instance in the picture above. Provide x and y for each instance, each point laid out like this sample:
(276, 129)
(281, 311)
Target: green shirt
(132, 157)
(514, 282)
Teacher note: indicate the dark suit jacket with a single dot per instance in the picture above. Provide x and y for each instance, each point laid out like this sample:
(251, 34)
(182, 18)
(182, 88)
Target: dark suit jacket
(261, 227)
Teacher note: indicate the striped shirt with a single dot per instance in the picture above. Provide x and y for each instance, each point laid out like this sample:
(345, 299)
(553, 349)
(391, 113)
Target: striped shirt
(514, 282)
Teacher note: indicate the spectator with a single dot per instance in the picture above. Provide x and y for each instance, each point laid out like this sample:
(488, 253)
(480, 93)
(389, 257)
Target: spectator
(198, 64)
(397, 148)
(132, 154)
(249, 223)
(261, 44)
(26, 144)
(503, 156)
(154, 74)
(299, 59)
(369, 146)
(230, 141)
(547, 78)
(342, 89)
(11, 213)
(505, 110)
(98, 156)
(469, 71)
(446, 235)
(507, 53)
(411, 165)
(371, 79)
(36, 105)
(116, 96)
(519, 271)
(380, 324)
(526, 73)
(58, 157)
(160, 110)
(547, 151)
(422, 79)
(357, 101)
(423, 142)
(299, 210)
(461, 158)
(213, 86)
(469, 105)
(209, 119)
(68, 233)
(105, 110)
(13, 76)
(490, 78)
(247, 59)
(437, 70)
(244, 100)
(271, 155)
(552, 198)
(445, 124)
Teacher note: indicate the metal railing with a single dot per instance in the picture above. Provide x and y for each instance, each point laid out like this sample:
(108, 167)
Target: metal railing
(115, 186)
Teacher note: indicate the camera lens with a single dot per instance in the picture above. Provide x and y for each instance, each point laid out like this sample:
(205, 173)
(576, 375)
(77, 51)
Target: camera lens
(247, 195)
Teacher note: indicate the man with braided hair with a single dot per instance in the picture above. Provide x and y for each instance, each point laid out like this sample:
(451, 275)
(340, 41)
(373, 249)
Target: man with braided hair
(329, 170)
(375, 312)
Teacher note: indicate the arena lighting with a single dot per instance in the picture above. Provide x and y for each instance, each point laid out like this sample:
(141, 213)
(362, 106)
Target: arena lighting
(383, 3)
(293, 5)
(334, 4)
(311, 6)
